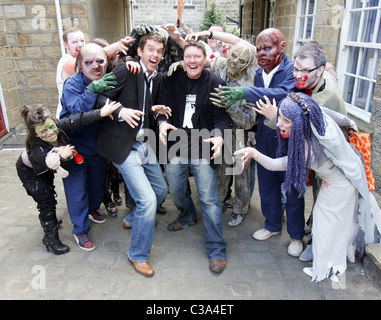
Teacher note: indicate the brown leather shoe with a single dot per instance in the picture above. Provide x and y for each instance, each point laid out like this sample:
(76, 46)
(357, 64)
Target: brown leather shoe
(217, 265)
(174, 226)
(127, 226)
(143, 268)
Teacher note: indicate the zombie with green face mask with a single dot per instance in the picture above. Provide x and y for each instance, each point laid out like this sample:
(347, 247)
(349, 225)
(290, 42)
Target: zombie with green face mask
(48, 153)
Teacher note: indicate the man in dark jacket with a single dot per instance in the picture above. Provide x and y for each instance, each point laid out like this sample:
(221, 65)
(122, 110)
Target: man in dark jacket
(123, 141)
(200, 126)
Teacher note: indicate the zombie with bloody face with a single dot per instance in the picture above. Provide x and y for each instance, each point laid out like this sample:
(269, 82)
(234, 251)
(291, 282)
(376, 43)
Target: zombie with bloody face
(274, 79)
(84, 185)
(312, 78)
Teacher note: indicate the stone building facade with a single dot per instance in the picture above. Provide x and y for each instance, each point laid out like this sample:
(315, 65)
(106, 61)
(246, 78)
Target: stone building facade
(30, 40)
(30, 46)
(159, 12)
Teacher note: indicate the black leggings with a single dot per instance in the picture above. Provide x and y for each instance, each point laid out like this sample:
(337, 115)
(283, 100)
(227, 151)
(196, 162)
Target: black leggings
(41, 189)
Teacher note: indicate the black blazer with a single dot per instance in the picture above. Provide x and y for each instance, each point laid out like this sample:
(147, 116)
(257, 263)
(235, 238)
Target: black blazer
(207, 116)
(116, 138)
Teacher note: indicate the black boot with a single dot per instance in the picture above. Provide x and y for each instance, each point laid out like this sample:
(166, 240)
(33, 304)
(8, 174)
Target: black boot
(51, 239)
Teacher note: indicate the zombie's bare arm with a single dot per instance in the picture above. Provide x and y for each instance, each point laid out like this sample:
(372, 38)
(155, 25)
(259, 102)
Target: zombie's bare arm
(217, 35)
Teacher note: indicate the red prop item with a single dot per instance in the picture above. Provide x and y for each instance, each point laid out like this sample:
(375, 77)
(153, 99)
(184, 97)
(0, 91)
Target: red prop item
(78, 158)
(180, 9)
(361, 141)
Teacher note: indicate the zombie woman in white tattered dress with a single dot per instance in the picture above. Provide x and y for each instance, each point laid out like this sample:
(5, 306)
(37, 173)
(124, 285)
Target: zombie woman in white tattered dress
(343, 220)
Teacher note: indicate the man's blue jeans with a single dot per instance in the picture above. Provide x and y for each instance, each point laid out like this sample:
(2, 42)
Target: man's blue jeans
(145, 181)
(177, 173)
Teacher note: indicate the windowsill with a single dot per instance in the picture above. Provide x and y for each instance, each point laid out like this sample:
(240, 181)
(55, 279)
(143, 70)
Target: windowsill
(187, 6)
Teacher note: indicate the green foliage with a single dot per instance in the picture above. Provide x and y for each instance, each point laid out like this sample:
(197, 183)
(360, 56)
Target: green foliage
(212, 15)
(234, 29)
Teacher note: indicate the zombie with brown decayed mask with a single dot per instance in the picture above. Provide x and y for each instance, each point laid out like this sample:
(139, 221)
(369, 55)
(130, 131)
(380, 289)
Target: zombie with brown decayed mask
(237, 70)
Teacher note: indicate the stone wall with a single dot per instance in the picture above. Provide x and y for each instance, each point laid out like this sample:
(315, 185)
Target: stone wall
(376, 136)
(159, 12)
(30, 45)
(30, 49)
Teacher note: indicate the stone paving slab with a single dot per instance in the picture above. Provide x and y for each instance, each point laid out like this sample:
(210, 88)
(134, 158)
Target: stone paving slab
(255, 270)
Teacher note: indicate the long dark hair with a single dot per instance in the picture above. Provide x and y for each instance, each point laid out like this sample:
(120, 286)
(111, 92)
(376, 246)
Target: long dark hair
(34, 115)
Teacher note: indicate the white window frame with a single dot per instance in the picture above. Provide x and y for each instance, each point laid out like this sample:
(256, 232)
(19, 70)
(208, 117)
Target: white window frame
(298, 23)
(272, 5)
(344, 56)
(4, 109)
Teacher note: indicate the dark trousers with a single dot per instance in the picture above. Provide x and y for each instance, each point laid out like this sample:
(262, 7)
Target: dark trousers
(41, 189)
(270, 182)
(84, 190)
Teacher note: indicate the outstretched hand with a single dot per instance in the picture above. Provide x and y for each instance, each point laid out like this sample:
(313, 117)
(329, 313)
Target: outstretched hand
(109, 108)
(227, 96)
(133, 66)
(247, 153)
(163, 128)
(266, 109)
(161, 109)
(107, 82)
(217, 142)
(131, 116)
(178, 65)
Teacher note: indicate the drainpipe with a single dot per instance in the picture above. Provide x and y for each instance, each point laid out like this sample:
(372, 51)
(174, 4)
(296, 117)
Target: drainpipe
(59, 25)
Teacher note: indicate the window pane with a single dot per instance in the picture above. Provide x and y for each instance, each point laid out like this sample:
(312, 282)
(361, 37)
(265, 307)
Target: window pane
(311, 7)
(362, 94)
(372, 3)
(301, 28)
(369, 26)
(357, 4)
(303, 9)
(348, 89)
(367, 67)
(309, 27)
(354, 26)
(352, 59)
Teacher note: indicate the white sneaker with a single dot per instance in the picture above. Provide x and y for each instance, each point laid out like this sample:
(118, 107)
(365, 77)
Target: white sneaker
(264, 234)
(295, 248)
(307, 254)
(308, 271)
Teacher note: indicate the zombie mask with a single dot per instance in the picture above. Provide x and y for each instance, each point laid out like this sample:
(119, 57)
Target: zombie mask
(240, 59)
(271, 47)
(92, 60)
(47, 131)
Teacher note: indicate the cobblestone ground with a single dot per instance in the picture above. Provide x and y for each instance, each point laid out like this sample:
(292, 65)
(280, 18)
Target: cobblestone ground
(255, 270)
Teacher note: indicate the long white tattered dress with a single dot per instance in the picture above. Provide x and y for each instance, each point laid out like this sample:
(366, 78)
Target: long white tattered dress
(334, 226)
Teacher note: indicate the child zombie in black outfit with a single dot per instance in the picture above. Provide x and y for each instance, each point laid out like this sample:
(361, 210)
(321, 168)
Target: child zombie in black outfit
(48, 152)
